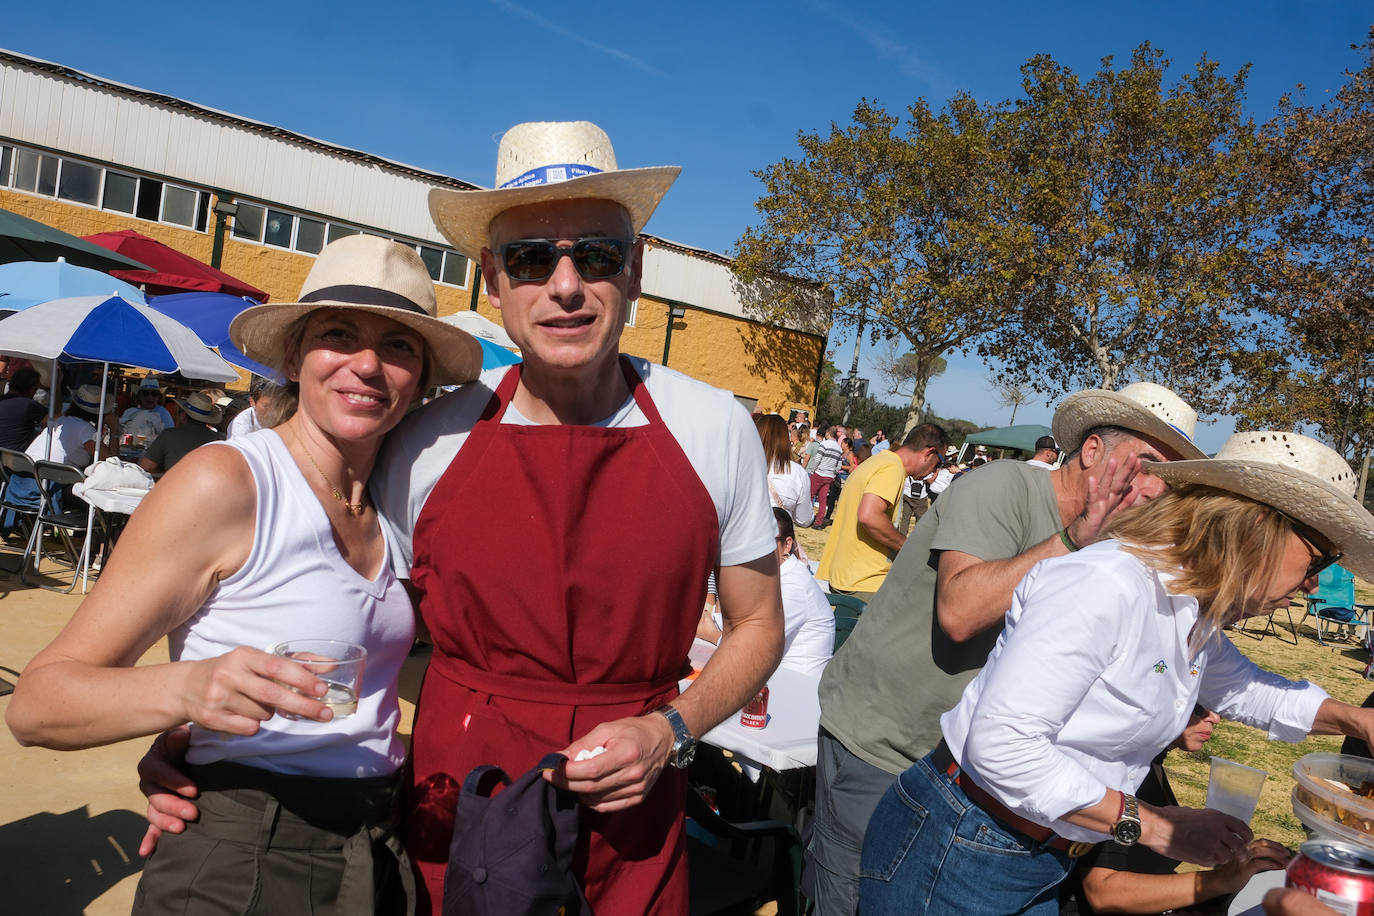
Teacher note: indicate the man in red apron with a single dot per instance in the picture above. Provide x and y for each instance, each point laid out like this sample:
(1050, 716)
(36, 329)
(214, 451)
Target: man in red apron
(558, 520)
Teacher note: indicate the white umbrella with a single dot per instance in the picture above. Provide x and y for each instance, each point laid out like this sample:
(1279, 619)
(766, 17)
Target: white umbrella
(481, 328)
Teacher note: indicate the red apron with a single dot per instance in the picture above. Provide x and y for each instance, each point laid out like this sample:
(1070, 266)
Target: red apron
(562, 571)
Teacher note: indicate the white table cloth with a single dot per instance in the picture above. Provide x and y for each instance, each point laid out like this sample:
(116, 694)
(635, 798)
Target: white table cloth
(794, 717)
(1247, 902)
(122, 500)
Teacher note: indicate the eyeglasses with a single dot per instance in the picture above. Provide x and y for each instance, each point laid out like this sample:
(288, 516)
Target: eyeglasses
(1323, 559)
(596, 258)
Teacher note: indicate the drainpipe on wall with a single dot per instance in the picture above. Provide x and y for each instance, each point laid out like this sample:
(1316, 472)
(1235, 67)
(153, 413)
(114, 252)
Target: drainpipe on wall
(674, 313)
(476, 285)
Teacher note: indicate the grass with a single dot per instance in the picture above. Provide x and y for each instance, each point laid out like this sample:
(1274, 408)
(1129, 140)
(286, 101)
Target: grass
(1337, 667)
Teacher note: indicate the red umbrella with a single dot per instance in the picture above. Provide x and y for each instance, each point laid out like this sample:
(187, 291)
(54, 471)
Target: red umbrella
(172, 271)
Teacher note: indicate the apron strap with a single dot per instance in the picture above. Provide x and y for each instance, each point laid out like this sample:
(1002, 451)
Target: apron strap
(538, 691)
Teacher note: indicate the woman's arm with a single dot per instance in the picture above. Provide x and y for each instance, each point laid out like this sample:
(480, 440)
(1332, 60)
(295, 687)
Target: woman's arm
(1120, 891)
(193, 529)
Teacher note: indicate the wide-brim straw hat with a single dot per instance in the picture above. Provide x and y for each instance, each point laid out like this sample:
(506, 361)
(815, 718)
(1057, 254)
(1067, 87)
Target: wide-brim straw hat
(1302, 478)
(199, 406)
(543, 161)
(370, 274)
(87, 397)
(1143, 407)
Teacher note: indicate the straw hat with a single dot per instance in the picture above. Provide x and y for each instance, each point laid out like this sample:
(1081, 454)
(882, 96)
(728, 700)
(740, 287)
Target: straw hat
(373, 275)
(149, 383)
(542, 161)
(1305, 480)
(1144, 407)
(199, 406)
(87, 397)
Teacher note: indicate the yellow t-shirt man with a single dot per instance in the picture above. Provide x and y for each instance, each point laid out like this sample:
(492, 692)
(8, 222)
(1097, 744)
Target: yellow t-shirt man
(852, 560)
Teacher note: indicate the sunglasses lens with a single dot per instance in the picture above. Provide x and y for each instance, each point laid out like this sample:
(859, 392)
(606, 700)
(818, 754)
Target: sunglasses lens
(599, 259)
(530, 260)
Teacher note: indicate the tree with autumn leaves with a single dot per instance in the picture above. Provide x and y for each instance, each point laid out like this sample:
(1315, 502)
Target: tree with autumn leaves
(1097, 231)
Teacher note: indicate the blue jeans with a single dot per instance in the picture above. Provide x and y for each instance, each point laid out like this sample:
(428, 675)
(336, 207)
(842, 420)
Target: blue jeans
(930, 850)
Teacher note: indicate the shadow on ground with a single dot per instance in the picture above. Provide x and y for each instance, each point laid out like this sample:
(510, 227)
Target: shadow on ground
(57, 864)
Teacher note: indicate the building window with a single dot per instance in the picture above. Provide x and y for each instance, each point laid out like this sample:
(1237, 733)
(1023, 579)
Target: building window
(6, 161)
(248, 222)
(79, 182)
(309, 235)
(455, 269)
(120, 192)
(149, 204)
(178, 206)
(337, 231)
(36, 173)
(278, 228)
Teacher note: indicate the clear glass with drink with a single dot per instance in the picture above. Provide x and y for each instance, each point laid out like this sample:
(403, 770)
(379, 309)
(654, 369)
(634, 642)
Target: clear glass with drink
(1234, 788)
(339, 664)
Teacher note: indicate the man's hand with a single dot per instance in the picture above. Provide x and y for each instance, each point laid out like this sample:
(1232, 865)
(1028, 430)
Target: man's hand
(1106, 497)
(1292, 901)
(637, 749)
(1260, 855)
(166, 787)
(1201, 836)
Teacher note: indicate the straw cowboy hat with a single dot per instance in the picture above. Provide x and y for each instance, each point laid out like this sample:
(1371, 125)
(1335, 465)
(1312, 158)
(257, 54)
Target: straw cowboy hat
(87, 397)
(373, 275)
(542, 161)
(200, 407)
(1144, 407)
(1305, 480)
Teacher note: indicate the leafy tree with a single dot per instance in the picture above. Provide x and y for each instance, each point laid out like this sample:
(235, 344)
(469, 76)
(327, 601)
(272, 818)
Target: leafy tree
(900, 233)
(1323, 285)
(1145, 214)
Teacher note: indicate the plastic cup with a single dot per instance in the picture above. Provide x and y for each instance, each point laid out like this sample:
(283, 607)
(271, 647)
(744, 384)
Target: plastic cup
(339, 664)
(1234, 788)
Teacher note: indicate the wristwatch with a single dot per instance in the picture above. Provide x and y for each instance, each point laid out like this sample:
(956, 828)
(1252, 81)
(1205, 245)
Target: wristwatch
(684, 745)
(1126, 830)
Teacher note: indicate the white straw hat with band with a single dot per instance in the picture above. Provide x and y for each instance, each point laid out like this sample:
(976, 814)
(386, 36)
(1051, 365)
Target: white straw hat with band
(1143, 407)
(199, 406)
(542, 161)
(87, 397)
(373, 275)
(1305, 480)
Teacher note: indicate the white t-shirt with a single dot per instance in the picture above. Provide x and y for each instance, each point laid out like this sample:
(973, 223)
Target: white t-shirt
(146, 422)
(809, 621)
(296, 584)
(716, 434)
(1035, 463)
(69, 446)
(244, 423)
(793, 493)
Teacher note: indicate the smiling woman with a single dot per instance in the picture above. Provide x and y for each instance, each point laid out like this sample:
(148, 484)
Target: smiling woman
(1039, 768)
(263, 539)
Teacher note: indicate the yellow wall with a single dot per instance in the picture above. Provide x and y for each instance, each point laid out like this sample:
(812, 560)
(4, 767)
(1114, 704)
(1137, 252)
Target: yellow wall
(775, 366)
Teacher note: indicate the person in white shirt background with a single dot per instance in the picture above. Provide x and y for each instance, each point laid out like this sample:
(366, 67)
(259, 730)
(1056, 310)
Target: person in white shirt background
(1104, 653)
(808, 619)
(789, 486)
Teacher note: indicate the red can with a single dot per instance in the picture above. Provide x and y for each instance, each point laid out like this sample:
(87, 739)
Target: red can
(1339, 874)
(755, 712)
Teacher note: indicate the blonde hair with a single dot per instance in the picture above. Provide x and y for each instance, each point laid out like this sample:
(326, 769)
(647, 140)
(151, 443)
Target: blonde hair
(1221, 548)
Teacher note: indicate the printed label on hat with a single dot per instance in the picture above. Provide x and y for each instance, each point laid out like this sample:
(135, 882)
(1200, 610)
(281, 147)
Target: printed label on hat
(551, 174)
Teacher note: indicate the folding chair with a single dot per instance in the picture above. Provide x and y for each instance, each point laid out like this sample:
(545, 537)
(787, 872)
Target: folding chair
(18, 464)
(1269, 624)
(733, 869)
(1334, 602)
(847, 612)
(67, 524)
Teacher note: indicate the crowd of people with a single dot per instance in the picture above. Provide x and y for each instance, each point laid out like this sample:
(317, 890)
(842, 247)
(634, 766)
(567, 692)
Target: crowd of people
(1034, 636)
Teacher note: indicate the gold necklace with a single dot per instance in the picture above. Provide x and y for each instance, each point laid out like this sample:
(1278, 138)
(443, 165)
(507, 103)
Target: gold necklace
(354, 509)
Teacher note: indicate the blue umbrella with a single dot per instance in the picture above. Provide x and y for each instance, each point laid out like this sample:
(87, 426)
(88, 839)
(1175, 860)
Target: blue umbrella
(493, 356)
(26, 283)
(209, 314)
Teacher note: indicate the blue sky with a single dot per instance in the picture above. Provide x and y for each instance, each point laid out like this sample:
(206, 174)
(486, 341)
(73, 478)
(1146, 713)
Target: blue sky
(719, 88)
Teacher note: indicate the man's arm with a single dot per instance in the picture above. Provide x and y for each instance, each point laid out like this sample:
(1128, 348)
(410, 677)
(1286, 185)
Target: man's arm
(972, 594)
(637, 748)
(875, 516)
(1121, 891)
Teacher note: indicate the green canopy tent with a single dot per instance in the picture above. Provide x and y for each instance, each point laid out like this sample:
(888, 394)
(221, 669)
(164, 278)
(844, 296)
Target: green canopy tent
(1021, 437)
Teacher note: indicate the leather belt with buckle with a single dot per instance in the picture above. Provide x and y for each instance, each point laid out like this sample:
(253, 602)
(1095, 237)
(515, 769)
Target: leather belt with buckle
(945, 762)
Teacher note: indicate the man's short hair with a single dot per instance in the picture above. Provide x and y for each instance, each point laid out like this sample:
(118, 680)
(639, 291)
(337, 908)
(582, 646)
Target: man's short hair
(924, 436)
(24, 380)
(1046, 442)
(1110, 436)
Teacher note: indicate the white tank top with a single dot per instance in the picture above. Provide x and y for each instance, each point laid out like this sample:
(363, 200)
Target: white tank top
(297, 585)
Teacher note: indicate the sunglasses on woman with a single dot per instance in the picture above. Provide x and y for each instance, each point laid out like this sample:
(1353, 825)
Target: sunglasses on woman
(1323, 558)
(596, 258)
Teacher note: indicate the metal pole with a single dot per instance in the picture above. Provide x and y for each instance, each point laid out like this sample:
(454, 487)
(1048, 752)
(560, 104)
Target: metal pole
(853, 371)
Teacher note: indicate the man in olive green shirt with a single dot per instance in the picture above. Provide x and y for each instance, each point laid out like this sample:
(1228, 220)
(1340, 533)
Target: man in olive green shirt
(930, 627)
(859, 551)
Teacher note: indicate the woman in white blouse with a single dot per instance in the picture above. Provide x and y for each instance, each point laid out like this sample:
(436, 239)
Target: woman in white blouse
(1104, 653)
(789, 485)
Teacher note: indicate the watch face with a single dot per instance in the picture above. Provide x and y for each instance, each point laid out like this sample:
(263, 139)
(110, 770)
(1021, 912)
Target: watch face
(683, 754)
(1127, 832)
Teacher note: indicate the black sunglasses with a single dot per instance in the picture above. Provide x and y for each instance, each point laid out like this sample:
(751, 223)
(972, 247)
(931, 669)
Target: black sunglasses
(1322, 560)
(596, 258)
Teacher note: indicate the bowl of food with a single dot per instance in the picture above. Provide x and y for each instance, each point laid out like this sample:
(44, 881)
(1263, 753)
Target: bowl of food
(1334, 796)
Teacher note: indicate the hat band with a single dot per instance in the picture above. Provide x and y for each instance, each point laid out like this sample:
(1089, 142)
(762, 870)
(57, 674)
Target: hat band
(363, 295)
(551, 174)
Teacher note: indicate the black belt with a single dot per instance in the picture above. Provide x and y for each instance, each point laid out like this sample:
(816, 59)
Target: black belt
(945, 762)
